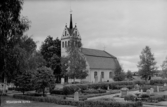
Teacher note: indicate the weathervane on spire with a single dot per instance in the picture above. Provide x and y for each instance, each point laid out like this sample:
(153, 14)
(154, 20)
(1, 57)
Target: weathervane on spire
(104, 47)
(70, 10)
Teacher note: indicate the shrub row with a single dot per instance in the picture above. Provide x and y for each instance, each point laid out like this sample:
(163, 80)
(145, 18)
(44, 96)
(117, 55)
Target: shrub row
(95, 95)
(20, 89)
(112, 85)
(146, 97)
(56, 91)
(49, 100)
(80, 103)
(91, 91)
(146, 87)
(158, 82)
(93, 103)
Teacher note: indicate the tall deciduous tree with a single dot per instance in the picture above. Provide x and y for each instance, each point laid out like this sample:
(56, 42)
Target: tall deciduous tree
(24, 55)
(51, 51)
(25, 62)
(164, 68)
(77, 62)
(12, 27)
(147, 64)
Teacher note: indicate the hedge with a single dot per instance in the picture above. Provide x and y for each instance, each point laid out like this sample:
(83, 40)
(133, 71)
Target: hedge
(49, 100)
(158, 82)
(91, 91)
(112, 85)
(89, 103)
(93, 103)
(95, 95)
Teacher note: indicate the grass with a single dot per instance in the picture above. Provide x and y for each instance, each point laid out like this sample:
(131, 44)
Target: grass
(6, 102)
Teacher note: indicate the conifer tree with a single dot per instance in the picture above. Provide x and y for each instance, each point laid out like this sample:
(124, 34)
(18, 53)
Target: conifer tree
(147, 64)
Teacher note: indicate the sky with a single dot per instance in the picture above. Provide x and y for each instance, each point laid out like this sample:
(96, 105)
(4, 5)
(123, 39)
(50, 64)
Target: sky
(123, 28)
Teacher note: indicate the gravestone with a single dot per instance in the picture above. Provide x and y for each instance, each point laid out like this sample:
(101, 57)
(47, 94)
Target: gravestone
(124, 92)
(148, 92)
(108, 88)
(157, 88)
(141, 90)
(137, 86)
(151, 90)
(76, 96)
(62, 80)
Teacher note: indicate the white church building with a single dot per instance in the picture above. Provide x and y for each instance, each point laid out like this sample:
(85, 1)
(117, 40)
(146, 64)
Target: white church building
(100, 64)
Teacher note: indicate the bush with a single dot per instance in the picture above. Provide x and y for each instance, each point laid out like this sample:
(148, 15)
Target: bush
(101, 91)
(130, 97)
(56, 91)
(11, 88)
(140, 82)
(157, 98)
(158, 82)
(35, 94)
(105, 99)
(146, 87)
(69, 89)
(93, 91)
(144, 96)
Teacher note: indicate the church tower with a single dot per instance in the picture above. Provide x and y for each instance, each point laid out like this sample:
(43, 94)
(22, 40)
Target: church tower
(67, 34)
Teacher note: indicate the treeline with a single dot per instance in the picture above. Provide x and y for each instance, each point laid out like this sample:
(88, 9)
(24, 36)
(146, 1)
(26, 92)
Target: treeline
(18, 52)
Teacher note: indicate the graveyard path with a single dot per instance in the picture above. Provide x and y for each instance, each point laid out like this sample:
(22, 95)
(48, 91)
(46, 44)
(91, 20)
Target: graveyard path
(111, 95)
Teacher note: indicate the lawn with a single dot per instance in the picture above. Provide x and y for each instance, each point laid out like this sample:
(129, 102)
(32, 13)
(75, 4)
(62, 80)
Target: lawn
(12, 102)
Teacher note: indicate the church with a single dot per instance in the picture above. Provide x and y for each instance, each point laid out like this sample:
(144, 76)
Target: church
(100, 64)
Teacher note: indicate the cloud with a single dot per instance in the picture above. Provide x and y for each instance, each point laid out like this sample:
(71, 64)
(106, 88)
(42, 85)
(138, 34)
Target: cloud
(123, 27)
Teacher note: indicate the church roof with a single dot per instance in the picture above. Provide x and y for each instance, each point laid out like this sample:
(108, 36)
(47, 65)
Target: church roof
(99, 59)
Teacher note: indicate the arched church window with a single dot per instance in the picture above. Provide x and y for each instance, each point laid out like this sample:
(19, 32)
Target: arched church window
(110, 74)
(63, 44)
(75, 33)
(102, 74)
(95, 74)
(68, 43)
(65, 33)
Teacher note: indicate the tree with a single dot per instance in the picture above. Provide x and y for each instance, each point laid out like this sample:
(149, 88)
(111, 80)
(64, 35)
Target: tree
(25, 81)
(164, 68)
(12, 27)
(51, 52)
(147, 64)
(24, 54)
(119, 74)
(44, 78)
(64, 67)
(77, 62)
(129, 75)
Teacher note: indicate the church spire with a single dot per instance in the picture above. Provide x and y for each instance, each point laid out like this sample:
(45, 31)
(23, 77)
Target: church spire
(71, 26)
